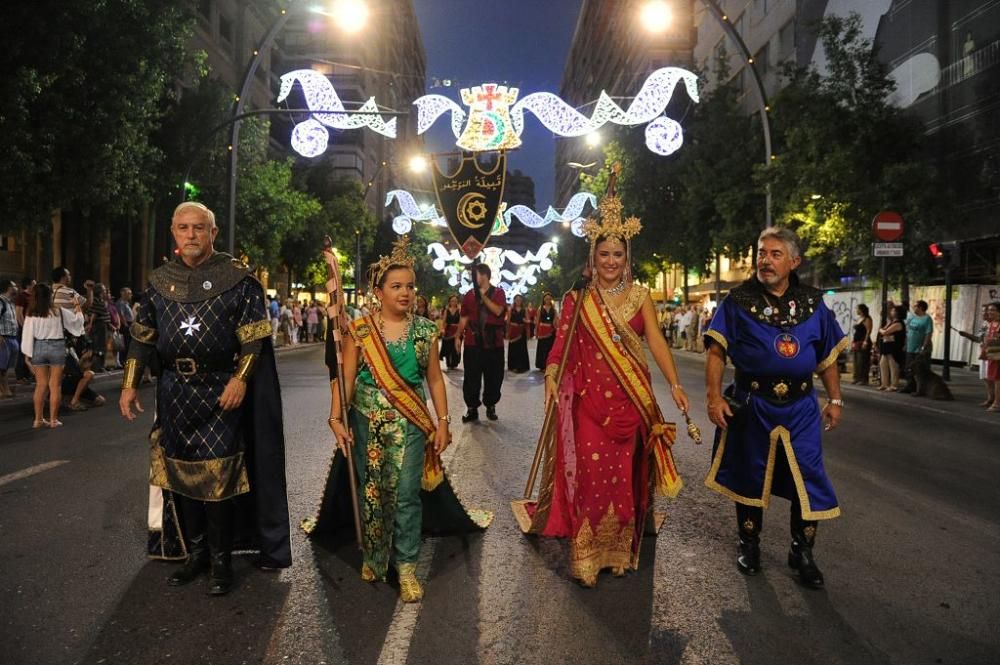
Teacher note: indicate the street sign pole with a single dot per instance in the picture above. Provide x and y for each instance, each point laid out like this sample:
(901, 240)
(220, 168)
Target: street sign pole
(946, 370)
(885, 290)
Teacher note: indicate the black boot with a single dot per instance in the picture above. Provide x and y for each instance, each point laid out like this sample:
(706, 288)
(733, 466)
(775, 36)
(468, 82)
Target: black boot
(801, 558)
(221, 580)
(470, 415)
(220, 540)
(196, 564)
(749, 522)
(491, 412)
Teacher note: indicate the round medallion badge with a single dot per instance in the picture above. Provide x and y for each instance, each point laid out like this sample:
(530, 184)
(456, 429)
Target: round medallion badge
(786, 345)
(207, 285)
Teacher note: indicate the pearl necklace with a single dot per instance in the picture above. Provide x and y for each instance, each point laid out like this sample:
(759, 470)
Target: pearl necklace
(615, 290)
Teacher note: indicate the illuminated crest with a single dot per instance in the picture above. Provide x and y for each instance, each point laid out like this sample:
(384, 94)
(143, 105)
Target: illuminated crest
(786, 345)
(489, 126)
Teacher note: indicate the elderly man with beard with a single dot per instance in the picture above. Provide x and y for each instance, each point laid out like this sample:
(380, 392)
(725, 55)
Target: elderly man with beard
(217, 443)
(776, 332)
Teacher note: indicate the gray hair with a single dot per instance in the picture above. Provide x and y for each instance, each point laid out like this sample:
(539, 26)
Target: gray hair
(198, 208)
(785, 235)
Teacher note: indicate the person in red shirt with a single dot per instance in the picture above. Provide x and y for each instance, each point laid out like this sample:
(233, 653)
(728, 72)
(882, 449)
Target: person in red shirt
(481, 331)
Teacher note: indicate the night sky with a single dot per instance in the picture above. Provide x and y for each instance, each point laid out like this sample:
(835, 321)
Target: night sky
(522, 42)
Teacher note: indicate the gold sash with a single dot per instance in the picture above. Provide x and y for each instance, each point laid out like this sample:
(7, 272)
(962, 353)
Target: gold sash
(403, 398)
(631, 373)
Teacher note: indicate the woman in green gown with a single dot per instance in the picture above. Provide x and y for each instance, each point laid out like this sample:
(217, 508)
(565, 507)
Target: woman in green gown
(396, 441)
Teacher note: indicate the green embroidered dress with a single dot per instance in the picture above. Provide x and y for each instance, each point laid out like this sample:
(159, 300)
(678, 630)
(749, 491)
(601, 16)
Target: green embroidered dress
(389, 459)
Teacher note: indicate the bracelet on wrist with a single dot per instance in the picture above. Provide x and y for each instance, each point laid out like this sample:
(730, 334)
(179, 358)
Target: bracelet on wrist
(836, 402)
(676, 386)
(334, 419)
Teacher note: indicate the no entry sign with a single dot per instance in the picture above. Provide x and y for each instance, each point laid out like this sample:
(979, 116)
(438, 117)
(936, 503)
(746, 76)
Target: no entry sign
(888, 226)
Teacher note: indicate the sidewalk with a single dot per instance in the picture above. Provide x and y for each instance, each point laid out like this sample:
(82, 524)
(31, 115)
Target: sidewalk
(965, 386)
(103, 383)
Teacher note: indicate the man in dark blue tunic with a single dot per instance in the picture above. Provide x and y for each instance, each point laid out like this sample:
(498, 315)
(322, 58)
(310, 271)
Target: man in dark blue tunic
(776, 332)
(217, 447)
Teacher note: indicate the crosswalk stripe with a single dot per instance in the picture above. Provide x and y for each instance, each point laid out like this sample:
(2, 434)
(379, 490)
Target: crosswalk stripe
(396, 648)
(31, 470)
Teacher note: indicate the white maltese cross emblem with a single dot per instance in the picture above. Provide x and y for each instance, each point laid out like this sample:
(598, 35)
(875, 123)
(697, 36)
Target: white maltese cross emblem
(190, 327)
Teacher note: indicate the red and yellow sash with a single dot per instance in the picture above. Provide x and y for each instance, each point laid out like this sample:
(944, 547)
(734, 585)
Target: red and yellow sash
(632, 375)
(515, 331)
(544, 330)
(399, 394)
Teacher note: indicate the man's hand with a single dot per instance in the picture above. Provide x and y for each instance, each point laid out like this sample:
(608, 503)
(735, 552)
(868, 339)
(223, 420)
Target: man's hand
(233, 395)
(129, 397)
(718, 410)
(830, 416)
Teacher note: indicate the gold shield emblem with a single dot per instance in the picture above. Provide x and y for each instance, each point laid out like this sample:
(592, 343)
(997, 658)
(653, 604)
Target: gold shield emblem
(780, 389)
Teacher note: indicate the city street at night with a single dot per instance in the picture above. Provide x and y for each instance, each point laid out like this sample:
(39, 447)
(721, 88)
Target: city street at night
(909, 565)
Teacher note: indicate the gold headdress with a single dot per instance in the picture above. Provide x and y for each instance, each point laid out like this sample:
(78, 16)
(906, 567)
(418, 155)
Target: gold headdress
(610, 225)
(399, 257)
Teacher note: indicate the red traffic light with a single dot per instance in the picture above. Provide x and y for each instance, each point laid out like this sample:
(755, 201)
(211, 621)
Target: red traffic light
(935, 250)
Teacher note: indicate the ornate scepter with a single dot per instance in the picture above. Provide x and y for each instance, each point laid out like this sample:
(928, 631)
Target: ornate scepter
(335, 314)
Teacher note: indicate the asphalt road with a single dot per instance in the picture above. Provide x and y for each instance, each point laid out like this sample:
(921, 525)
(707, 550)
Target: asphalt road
(910, 567)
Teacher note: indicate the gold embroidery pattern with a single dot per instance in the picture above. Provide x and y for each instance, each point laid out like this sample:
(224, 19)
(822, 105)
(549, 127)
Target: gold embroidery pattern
(254, 331)
(718, 337)
(207, 480)
(623, 313)
(609, 546)
(143, 334)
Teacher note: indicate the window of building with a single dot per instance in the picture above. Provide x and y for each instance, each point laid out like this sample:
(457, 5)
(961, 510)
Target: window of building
(759, 9)
(786, 41)
(225, 29)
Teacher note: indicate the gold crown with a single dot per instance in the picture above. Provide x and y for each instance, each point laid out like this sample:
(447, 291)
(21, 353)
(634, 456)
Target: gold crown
(611, 225)
(399, 257)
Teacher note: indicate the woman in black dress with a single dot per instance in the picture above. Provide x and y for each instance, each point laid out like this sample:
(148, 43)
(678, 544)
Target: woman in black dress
(861, 345)
(449, 342)
(517, 334)
(544, 331)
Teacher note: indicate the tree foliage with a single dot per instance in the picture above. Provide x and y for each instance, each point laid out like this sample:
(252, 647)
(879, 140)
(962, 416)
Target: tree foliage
(844, 153)
(83, 87)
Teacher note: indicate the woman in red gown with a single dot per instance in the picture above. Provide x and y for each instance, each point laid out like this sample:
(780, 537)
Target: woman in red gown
(609, 447)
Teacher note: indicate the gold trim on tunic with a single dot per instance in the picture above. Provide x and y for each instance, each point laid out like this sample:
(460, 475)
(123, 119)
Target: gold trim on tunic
(832, 357)
(254, 331)
(206, 480)
(143, 334)
(784, 436)
(718, 337)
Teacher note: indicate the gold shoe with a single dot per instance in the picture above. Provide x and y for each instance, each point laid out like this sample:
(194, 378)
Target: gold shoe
(367, 574)
(410, 590)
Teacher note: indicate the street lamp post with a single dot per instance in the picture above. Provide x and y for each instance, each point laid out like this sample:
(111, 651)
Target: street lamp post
(656, 17)
(350, 14)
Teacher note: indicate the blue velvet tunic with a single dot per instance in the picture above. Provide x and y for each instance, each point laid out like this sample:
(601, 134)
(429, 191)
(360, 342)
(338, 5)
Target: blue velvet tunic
(775, 448)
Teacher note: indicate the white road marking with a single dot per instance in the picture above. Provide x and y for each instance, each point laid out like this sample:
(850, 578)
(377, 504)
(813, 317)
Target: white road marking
(31, 470)
(396, 648)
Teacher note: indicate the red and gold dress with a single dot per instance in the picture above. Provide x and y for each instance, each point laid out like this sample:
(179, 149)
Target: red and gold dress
(608, 448)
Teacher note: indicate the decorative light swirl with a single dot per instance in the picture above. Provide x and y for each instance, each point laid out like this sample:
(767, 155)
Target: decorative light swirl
(320, 94)
(454, 265)
(431, 107)
(533, 220)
